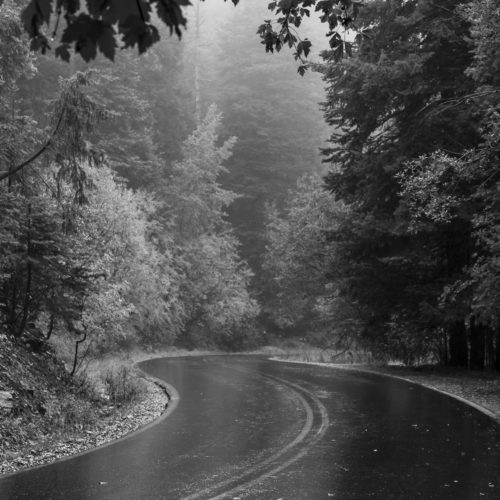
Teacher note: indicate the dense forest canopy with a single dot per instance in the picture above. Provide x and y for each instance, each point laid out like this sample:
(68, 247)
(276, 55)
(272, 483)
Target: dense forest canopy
(130, 213)
(122, 187)
(407, 255)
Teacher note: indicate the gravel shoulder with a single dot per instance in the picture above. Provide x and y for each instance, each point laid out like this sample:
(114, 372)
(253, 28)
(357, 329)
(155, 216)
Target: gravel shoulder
(30, 438)
(113, 424)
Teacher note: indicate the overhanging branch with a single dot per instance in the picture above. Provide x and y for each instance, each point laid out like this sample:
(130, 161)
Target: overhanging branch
(12, 171)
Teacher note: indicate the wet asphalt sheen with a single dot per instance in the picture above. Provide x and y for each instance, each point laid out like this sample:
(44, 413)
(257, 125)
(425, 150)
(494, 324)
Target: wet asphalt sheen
(249, 428)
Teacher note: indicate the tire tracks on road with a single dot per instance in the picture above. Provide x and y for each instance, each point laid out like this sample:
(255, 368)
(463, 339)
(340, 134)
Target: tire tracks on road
(314, 428)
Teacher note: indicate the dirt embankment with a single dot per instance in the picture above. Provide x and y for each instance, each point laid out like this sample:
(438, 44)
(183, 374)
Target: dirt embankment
(45, 414)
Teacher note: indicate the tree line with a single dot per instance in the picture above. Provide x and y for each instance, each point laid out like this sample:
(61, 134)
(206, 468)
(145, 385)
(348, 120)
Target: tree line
(396, 248)
(112, 216)
(393, 249)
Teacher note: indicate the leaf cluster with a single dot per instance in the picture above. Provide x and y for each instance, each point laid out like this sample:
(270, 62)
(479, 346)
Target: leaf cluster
(92, 26)
(339, 15)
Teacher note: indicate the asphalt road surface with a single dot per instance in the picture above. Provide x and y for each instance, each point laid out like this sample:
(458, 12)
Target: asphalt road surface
(248, 428)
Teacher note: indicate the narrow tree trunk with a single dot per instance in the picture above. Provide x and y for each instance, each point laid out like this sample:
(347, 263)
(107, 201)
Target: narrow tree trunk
(75, 358)
(197, 92)
(9, 179)
(497, 349)
(51, 327)
(442, 350)
(29, 272)
(458, 344)
(489, 362)
(12, 307)
(477, 344)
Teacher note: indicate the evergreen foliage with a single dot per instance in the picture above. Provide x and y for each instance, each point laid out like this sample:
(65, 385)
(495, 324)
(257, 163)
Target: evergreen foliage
(115, 229)
(216, 280)
(414, 161)
(87, 260)
(273, 112)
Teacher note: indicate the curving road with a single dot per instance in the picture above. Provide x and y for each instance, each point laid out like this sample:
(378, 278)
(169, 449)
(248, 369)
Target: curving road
(248, 428)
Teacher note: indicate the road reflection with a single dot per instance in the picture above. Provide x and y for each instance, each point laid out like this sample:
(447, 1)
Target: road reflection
(236, 427)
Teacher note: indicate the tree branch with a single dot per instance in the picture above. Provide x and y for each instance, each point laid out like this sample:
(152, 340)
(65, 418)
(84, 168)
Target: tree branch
(12, 171)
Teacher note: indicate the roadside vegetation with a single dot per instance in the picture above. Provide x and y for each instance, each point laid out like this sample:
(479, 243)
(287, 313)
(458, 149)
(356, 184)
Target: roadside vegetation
(395, 249)
(45, 414)
(177, 200)
(481, 388)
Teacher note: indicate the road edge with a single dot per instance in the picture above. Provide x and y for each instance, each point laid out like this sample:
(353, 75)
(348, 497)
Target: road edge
(172, 402)
(467, 402)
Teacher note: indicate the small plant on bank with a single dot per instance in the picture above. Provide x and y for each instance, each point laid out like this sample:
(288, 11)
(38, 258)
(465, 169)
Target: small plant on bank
(87, 388)
(122, 386)
(74, 414)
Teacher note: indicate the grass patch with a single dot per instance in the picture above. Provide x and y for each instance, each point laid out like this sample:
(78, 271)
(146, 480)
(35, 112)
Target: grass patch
(122, 385)
(298, 351)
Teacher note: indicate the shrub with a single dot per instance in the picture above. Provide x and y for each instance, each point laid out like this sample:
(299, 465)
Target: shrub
(122, 386)
(86, 388)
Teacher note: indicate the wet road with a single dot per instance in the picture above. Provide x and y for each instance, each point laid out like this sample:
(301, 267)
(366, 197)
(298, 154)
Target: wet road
(249, 428)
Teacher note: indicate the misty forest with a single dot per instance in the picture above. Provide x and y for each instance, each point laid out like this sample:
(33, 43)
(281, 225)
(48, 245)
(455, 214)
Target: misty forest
(232, 175)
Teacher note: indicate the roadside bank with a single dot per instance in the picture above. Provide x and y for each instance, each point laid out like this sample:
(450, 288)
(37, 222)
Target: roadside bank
(46, 415)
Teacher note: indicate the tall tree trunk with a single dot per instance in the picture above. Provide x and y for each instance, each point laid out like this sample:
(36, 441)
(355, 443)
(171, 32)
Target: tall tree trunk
(458, 344)
(197, 91)
(12, 303)
(490, 349)
(442, 351)
(497, 349)
(29, 272)
(477, 344)
(51, 327)
(75, 358)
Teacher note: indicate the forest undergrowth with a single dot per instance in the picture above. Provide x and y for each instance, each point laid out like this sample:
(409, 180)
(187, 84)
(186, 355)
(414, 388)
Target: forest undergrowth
(51, 414)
